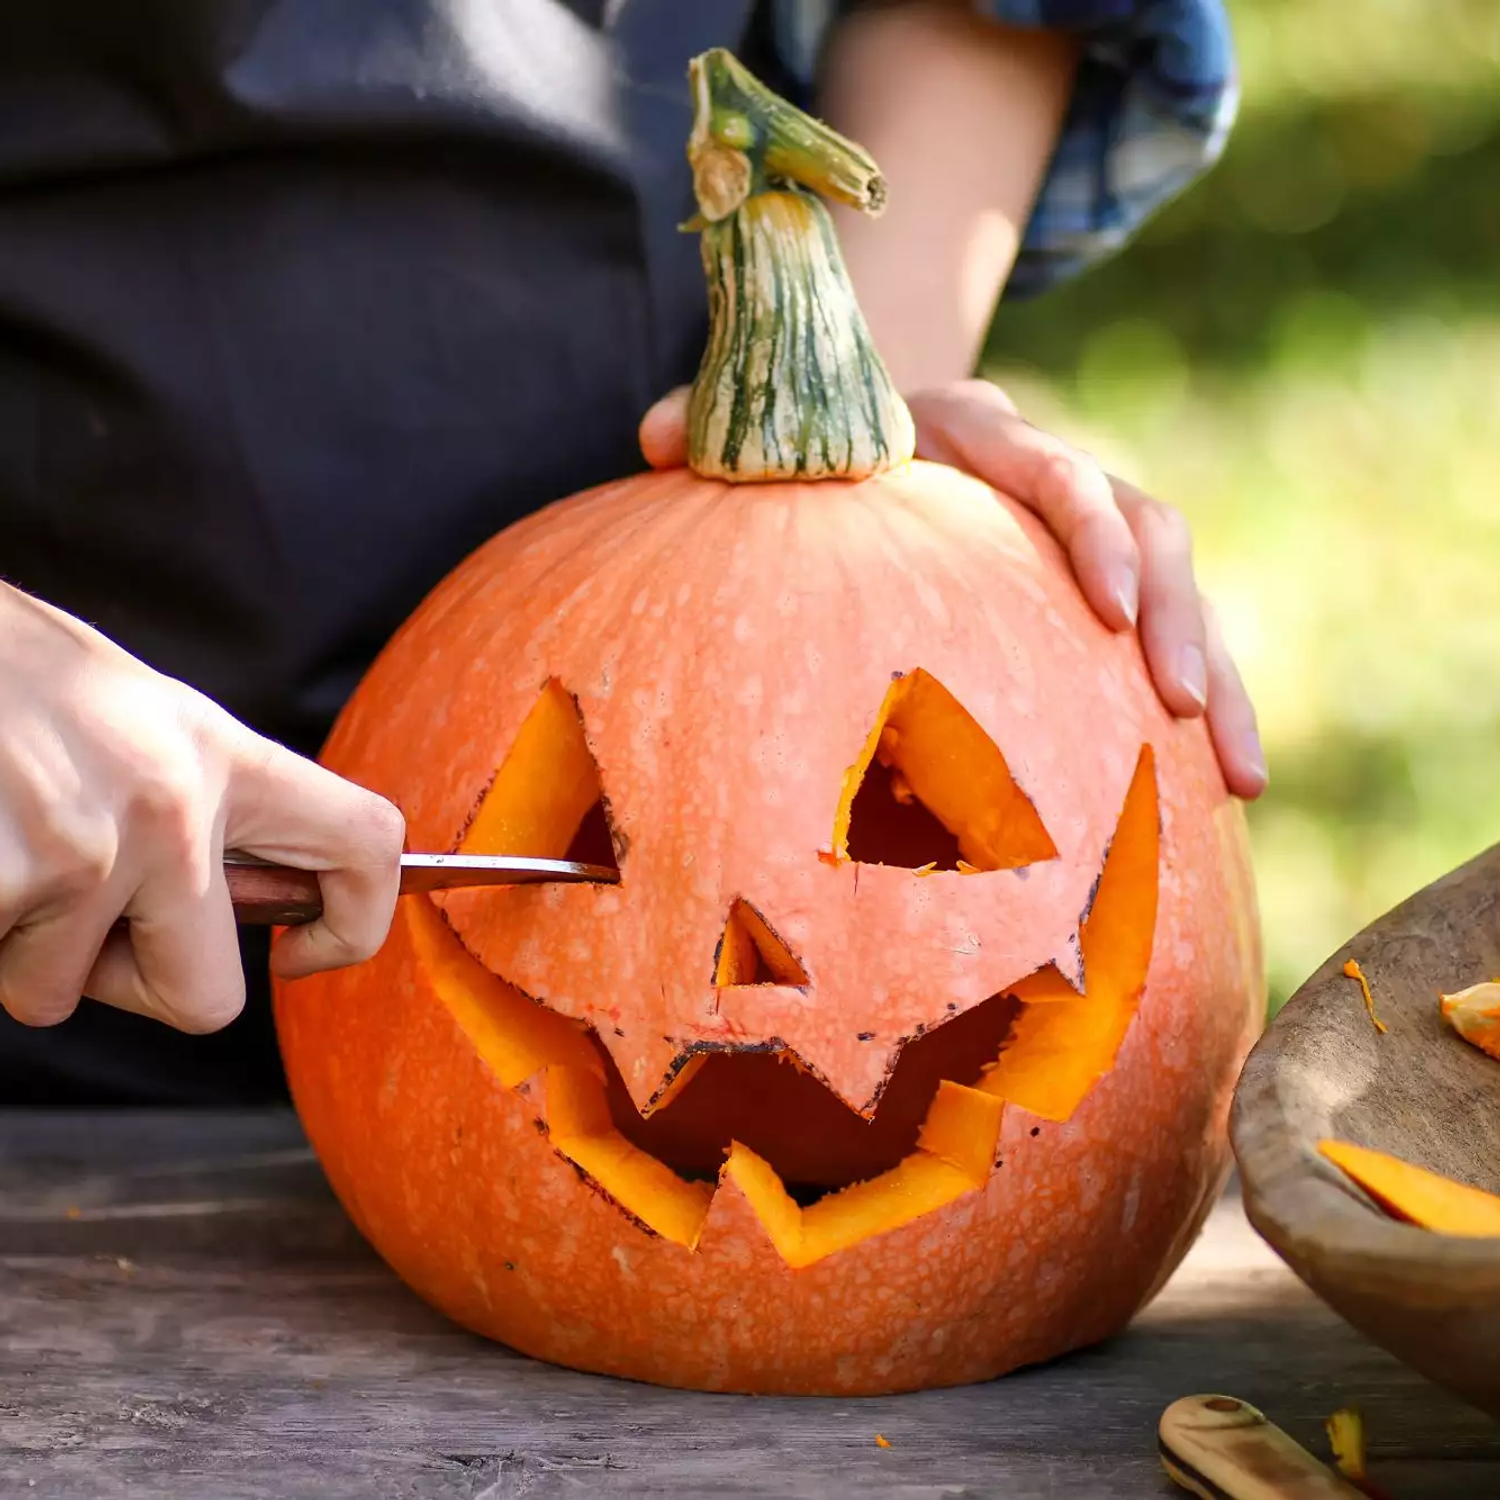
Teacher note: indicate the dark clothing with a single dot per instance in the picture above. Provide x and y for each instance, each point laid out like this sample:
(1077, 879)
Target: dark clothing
(300, 301)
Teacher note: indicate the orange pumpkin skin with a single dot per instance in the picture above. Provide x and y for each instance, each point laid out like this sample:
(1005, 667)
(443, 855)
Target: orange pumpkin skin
(729, 649)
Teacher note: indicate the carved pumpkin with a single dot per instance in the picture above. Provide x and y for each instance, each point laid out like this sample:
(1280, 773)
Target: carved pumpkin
(901, 1054)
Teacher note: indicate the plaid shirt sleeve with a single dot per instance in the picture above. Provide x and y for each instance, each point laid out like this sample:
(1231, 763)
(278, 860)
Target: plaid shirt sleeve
(1155, 96)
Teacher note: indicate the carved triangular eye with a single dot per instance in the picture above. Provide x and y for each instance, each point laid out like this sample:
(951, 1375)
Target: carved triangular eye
(750, 953)
(931, 790)
(546, 801)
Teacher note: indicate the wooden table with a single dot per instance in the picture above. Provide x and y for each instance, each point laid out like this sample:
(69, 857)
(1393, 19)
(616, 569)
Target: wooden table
(184, 1312)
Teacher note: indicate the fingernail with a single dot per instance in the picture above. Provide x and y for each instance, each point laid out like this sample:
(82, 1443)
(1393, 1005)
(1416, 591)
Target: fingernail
(1192, 673)
(1255, 757)
(1126, 594)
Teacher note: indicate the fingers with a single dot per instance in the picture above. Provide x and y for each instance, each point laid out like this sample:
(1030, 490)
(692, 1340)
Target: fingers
(180, 960)
(975, 426)
(663, 431)
(1185, 649)
(44, 964)
(58, 899)
(1231, 716)
(1131, 554)
(119, 789)
(1172, 629)
(289, 809)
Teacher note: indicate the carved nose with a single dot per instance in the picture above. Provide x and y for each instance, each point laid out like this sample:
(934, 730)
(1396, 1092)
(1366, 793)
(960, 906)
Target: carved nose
(751, 952)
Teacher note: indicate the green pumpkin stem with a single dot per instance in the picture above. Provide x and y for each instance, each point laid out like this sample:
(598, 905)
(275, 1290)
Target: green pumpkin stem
(791, 385)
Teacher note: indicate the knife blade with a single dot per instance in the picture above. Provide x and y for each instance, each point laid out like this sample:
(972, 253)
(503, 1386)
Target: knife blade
(266, 893)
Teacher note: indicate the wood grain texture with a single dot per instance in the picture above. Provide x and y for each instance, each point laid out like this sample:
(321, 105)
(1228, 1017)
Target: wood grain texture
(1419, 1092)
(184, 1312)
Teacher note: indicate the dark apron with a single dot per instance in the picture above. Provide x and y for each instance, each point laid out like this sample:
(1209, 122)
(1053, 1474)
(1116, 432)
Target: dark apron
(300, 301)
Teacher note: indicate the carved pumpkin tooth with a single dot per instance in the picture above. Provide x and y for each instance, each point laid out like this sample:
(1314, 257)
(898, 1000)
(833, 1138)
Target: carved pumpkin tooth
(580, 1126)
(954, 1155)
(515, 1036)
(1060, 1048)
(912, 857)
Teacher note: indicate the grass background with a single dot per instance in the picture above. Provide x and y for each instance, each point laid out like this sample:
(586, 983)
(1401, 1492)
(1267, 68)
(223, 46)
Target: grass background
(1303, 353)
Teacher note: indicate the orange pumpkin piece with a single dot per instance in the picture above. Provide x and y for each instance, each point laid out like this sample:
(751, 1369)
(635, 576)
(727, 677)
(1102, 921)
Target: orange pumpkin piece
(1415, 1194)
(901, 1054)
(1353, 971)
(1474, 1013)
(1346, 1437)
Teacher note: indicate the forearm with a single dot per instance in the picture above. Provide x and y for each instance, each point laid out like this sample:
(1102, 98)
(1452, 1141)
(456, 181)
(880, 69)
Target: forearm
(962, 114)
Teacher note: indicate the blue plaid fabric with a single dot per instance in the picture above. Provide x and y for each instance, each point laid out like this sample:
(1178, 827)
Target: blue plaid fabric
(1156, 94)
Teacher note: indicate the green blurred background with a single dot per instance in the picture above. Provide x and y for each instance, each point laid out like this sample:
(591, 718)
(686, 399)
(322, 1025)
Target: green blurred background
(1303, 353)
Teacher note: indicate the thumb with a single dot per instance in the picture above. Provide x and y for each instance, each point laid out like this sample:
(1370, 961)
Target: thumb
(292, 810)
(663, 431)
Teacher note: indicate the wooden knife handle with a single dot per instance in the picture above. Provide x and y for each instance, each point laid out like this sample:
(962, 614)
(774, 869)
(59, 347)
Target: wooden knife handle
(273, 895)
(1224, 1449)
(266, 895)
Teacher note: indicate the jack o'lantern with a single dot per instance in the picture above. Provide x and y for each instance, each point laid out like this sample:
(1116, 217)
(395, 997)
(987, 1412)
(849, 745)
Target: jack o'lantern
(901, 1053)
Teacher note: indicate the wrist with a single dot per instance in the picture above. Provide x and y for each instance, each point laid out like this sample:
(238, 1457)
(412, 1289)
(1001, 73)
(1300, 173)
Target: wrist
(964, 143)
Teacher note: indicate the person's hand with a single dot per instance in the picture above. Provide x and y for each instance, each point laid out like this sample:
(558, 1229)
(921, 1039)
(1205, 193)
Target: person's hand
(120, 790)
(1132, 555)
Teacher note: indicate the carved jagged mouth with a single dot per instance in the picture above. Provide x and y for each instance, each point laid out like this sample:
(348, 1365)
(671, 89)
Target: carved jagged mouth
(587, 1115)
(819, 1176)
(769, 1100)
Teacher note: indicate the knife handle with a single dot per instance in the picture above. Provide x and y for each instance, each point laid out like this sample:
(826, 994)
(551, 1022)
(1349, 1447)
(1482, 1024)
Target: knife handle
(266, 895)
(1221, 1448)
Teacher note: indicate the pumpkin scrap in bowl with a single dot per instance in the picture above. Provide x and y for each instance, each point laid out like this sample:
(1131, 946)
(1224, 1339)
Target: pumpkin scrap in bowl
(1416, 1195)
(1371, 1160)
(1474, 1013)
(1412, 1193)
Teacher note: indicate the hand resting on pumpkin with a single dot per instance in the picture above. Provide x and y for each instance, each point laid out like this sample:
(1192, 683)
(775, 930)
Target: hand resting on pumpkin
(119, 791)
(1132, 554)
(964, 145)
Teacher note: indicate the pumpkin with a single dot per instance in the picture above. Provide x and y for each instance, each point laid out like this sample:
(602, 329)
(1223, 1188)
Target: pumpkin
(900, 1055)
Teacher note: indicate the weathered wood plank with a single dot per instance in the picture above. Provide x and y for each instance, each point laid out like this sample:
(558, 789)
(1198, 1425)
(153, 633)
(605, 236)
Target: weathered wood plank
(143, 1183)
(177, 1338)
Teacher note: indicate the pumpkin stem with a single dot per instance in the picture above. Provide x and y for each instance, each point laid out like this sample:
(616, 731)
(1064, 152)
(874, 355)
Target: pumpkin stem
(791, 385)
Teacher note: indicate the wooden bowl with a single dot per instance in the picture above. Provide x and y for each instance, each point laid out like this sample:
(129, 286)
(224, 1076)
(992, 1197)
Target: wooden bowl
(1418, 1092)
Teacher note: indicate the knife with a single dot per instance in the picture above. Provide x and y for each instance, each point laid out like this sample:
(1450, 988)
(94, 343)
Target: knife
(1222, 1448)
(265, 893)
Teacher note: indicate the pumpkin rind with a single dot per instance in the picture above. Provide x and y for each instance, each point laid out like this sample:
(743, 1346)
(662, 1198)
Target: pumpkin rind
(445, 1161)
